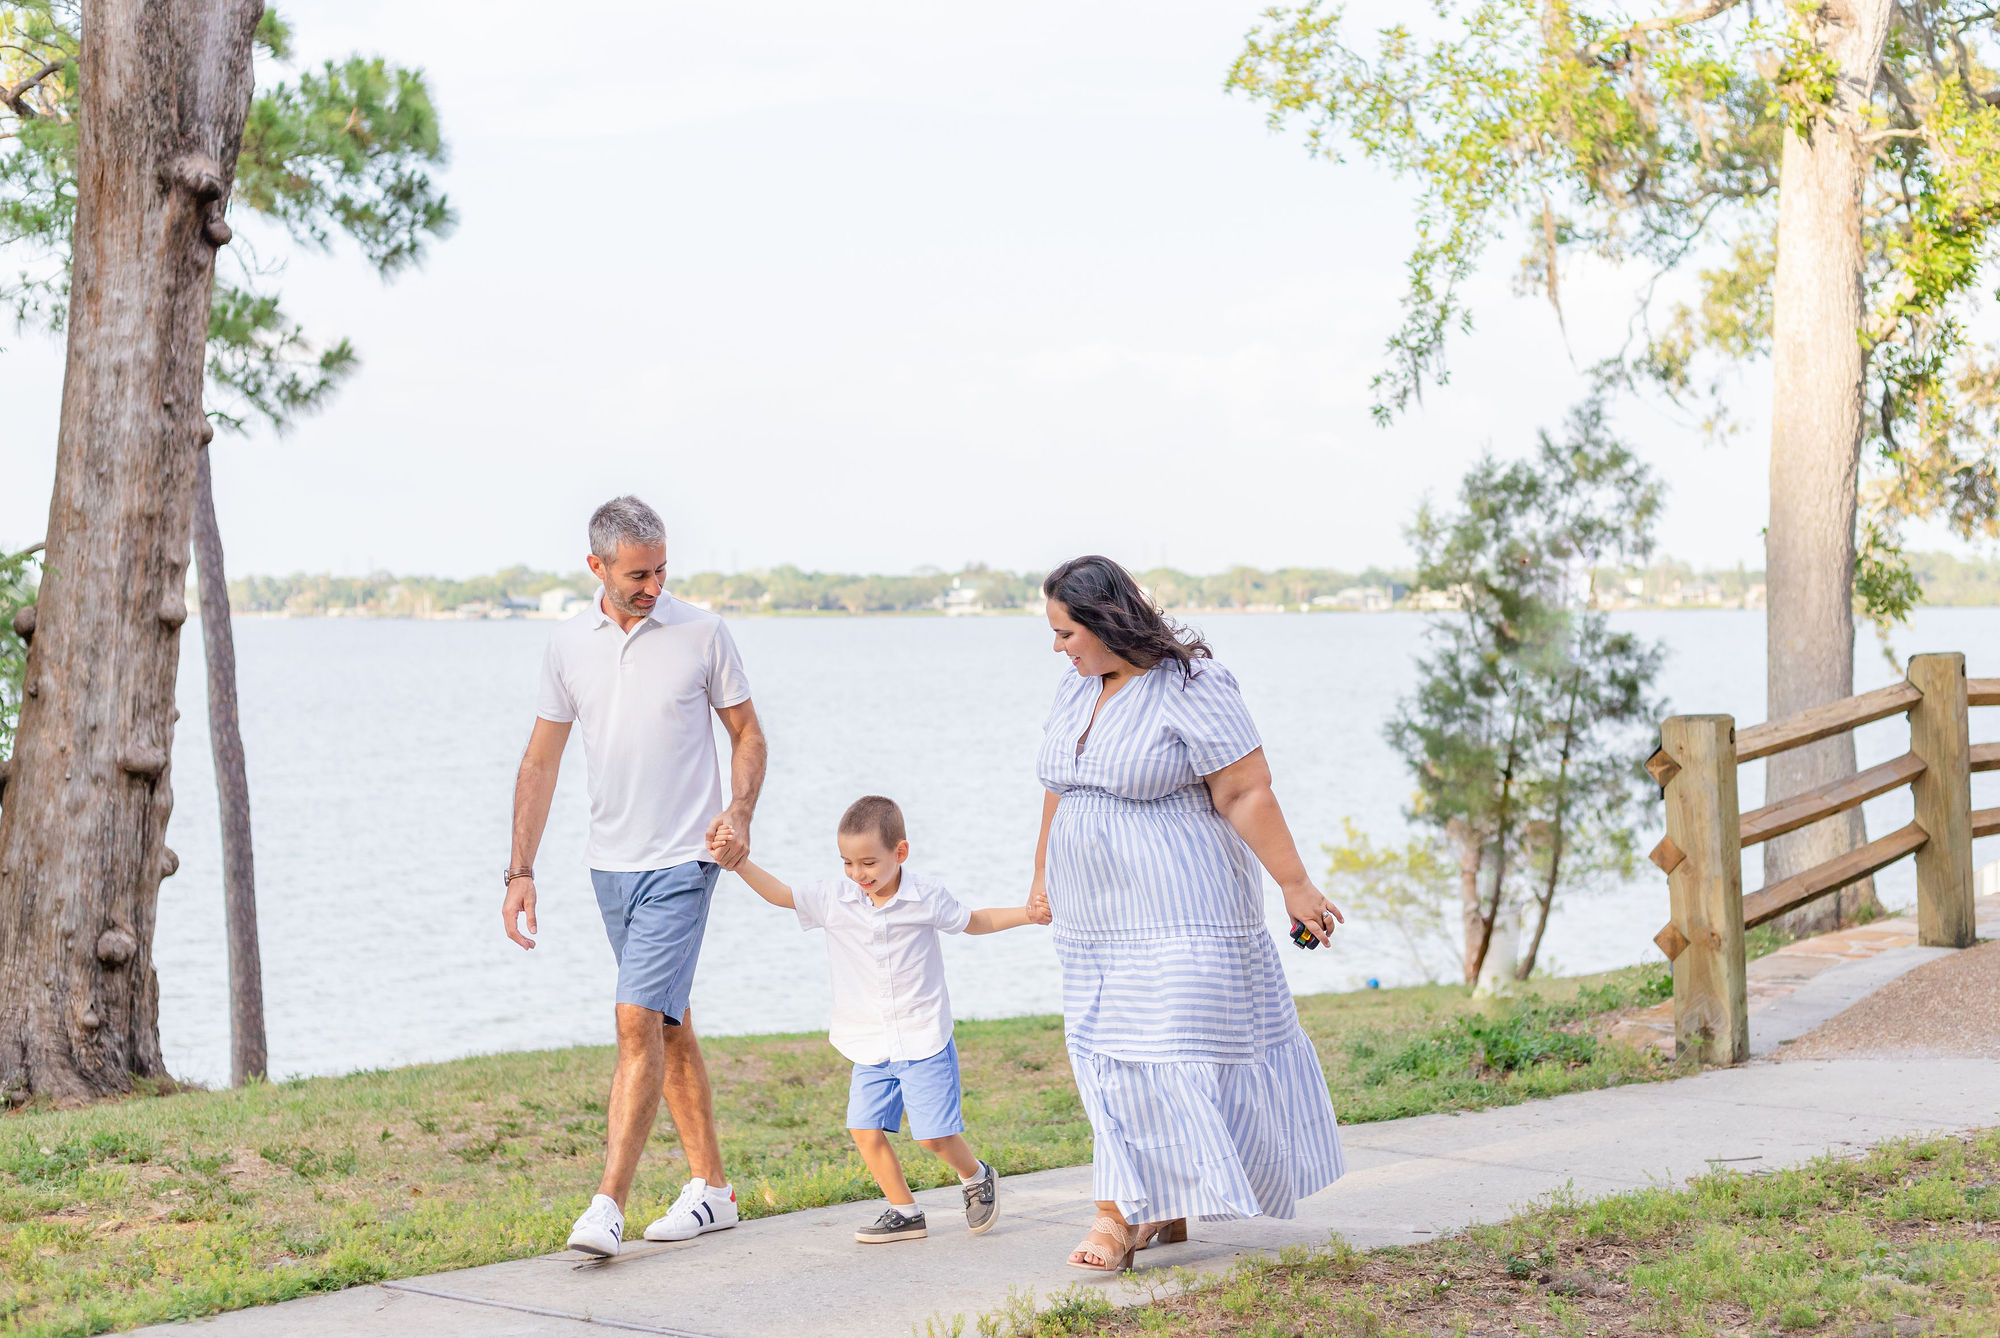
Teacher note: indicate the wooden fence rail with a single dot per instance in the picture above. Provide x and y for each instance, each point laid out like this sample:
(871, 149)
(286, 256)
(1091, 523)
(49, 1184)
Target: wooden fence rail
(1706, 834)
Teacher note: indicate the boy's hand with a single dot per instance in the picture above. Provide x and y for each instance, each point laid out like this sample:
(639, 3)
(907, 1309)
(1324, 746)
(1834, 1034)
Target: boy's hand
(729, 838)
(1038, 901)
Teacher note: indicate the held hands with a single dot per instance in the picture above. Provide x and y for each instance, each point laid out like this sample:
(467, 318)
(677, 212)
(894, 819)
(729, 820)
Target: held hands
(1038, 902)
(729, 838)
(520, 900)
(1307, 905)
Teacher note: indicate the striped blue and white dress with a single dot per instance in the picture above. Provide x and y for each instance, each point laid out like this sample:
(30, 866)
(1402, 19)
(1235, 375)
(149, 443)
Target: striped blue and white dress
(1205, 1097)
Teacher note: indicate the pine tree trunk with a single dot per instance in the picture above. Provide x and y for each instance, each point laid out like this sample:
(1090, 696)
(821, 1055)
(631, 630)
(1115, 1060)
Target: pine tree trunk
(165, 85)
(1818, 366)
(232, 789)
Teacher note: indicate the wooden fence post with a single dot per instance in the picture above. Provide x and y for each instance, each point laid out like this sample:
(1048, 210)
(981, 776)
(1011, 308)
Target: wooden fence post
(1940, 738)
(1703, 858)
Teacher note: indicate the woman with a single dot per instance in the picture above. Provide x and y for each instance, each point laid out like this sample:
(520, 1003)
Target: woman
(1204, 1095)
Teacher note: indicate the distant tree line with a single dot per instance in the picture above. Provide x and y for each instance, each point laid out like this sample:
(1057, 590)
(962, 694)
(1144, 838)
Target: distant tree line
(1946, 580)
(787, 589)
(383, 594)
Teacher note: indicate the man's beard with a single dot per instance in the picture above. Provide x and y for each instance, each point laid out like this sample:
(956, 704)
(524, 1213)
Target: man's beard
(624, 605)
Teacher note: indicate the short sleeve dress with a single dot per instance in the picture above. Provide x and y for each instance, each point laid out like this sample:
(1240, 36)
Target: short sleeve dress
(1205, 1097)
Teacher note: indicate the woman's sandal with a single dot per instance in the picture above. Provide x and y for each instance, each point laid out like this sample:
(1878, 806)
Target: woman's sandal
(1109, 1241)
(1171, 1232)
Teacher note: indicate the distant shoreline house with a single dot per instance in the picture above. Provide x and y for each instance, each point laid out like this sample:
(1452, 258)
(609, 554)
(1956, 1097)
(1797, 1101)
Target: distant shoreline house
(1438, 601)
(559, 603)
(961, 599)
(1358, 599)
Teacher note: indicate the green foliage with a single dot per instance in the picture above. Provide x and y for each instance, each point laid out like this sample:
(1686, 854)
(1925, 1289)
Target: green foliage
(263, 363)
(1420, 1050)
(18, 579)
(1655, 139)
(38, 48)
(346, 150)
(1885, 589)
(1399, 886)
(1523, 730)
(1514, 1038)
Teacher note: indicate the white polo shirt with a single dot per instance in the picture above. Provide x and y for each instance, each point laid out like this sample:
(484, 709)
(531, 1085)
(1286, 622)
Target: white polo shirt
(889, 999)
(643, 698)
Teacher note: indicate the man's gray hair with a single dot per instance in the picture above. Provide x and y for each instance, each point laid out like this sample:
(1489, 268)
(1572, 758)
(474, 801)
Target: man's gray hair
(624, 520)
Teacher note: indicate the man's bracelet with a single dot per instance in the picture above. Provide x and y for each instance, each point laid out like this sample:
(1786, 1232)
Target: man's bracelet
(525, 871)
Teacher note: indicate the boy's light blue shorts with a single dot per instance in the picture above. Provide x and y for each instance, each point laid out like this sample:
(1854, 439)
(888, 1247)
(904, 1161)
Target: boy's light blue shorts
(655, 921)
(927, 1088)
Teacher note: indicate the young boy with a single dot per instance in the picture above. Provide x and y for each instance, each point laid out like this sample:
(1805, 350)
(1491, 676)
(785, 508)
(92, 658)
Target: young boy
(891, 1014)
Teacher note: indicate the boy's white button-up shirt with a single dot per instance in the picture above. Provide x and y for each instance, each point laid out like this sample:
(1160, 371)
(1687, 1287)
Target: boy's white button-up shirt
(889, 997)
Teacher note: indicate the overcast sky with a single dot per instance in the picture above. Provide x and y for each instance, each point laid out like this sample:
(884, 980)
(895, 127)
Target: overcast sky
(876, 285)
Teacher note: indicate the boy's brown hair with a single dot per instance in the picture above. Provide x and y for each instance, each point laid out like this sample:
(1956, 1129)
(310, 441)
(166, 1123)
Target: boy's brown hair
(873, 813)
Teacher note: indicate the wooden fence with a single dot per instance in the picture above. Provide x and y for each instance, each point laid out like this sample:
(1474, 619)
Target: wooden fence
(1706, 834)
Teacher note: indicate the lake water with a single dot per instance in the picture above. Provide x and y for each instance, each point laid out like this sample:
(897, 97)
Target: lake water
(382, 759)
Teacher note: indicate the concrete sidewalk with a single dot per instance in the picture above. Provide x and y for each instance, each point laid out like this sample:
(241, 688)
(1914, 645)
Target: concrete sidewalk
(1408, 1180)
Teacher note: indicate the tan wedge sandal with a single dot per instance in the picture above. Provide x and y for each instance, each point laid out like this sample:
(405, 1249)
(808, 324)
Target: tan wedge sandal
(1109, 1240)
(1171, 1232)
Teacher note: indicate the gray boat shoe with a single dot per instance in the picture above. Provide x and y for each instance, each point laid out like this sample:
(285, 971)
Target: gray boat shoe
(982, 1201)
(893, 1225)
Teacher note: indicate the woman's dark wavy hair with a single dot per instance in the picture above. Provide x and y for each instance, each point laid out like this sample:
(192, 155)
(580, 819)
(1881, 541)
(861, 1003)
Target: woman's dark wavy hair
(1103, 597)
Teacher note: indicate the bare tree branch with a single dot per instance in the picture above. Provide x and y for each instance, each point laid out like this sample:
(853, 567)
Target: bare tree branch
(1692, 14)
(17, 96)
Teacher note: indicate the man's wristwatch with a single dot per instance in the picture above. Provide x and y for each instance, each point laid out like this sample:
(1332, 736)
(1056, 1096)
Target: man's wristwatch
(525, 871)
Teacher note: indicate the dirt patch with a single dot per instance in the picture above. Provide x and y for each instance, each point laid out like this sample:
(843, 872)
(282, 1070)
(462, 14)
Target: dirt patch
(1948, 1008)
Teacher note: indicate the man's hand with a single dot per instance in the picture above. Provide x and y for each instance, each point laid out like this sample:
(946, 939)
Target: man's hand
(729, 838)
(520, 899)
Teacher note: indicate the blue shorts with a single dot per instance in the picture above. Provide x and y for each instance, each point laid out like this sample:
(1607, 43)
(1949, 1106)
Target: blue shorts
(927, 1088)
(655, 921)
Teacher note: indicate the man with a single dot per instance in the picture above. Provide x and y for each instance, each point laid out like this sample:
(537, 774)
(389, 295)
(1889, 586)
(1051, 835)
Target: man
(640, 670)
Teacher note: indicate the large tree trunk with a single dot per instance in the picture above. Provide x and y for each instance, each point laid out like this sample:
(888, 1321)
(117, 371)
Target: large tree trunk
(165, 85)
(1816, 414)
(232, 791)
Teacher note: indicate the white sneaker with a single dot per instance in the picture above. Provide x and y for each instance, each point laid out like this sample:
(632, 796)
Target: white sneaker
(600, 1229)
(701, 1208)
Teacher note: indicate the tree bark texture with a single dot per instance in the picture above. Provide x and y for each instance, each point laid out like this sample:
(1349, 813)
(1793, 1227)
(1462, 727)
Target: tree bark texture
(1818, 365)
(165, 85)
(1471, 849)
(232, 789)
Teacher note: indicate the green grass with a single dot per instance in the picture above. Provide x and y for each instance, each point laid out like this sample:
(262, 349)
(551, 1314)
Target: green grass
(1391, 1053)
(166, 1207)
(1904, 1241)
